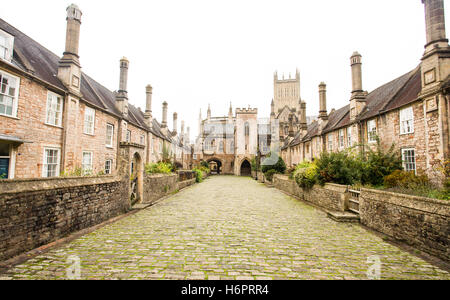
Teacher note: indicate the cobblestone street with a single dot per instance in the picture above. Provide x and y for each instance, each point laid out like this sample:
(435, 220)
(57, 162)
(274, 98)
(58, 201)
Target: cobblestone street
(228, 228)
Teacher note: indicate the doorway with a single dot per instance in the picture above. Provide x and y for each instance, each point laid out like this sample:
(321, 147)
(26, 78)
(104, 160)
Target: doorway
(246, 168)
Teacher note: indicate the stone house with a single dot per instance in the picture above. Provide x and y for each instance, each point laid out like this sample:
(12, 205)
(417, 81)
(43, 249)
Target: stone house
(411, 111)
(55, 119)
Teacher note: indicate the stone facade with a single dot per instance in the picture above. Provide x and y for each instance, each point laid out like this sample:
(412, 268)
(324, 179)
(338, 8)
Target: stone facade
(35, 212)
(411, 111)
(64, 120)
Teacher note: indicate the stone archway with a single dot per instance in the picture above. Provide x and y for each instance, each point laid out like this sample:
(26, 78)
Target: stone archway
(136, 179)
(215, 166)
(246, 168)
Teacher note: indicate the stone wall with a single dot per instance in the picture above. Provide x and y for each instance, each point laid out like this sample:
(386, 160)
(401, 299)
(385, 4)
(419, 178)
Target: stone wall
(157, 186)
(330, 196)
(419, 222)
(35, 212)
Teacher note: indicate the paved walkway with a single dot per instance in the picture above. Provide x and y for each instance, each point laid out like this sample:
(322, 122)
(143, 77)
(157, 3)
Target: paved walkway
(229, 228)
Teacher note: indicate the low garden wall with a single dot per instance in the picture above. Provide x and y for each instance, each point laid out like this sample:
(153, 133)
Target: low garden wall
(330, 197)
(36, 212)
(419, 222)
(157, 186)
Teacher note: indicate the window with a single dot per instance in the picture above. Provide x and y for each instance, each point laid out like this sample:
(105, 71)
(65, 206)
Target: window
(51, 163)
(54, 109)
(318, 145)
(87, 163)
(108, 166)
(89, 120)
(247, 129)
(349, 137)
(128, 139)
(409, 160)
(195, 156)
(160, 147)
(9, 88)
(142, 139)
(221, 147)
(406, 121)
(341, 138)
(109, 135)
(372, 130)
(330, 142)
(6, 46)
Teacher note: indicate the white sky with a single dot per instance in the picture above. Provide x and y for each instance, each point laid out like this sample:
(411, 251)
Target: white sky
(207, 51)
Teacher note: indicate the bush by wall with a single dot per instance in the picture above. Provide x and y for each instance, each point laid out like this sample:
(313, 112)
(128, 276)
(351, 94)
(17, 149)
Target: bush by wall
(159, 168)
(306, 175)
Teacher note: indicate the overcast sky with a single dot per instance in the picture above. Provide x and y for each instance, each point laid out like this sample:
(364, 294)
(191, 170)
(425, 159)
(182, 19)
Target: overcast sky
(207, 51)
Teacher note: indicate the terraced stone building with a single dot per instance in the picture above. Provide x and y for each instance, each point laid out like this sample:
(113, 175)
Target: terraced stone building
(411, 111)
(55, 119)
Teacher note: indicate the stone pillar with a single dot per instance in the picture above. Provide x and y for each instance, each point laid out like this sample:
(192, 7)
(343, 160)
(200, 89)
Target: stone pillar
(124, 64)
(188, 136)
(435, 21)
(164, 116)
(356, 64)
(323, 113)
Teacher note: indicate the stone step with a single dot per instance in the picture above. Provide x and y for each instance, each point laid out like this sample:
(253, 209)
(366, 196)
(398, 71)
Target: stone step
(343, 217)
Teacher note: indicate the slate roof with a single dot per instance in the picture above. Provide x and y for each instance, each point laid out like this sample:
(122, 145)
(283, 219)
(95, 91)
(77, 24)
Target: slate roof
(35, 59)
(390, 96)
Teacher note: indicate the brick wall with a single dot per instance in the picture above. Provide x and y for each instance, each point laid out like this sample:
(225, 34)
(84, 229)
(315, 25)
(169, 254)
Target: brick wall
(35, 212)
(420, 222)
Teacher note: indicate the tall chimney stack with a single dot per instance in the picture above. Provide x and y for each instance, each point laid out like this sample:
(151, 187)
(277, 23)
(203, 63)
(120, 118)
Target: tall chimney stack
(188, 136)
(69, 69)
(356, 64)
(122, 95)
(435, 23)
(175, 123)
(164, 117)
(323, 113)
(148, 105)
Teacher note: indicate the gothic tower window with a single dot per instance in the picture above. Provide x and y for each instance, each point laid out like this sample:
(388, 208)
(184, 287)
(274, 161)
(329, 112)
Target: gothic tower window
(247, 129)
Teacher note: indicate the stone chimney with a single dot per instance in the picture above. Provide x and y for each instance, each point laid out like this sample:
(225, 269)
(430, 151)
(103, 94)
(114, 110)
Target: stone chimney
(435, 24)
(188, 136)
(69, 68)
(148, 105)
(230, 112)
(323, 113)
(164, 116)
(291, 126)
(209, 111)
(122, 95)
(358, 98)
(175, 124)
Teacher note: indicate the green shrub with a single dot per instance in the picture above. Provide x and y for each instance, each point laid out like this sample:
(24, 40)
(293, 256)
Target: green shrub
(159, 168)
(205, 165)
(376, 164)
(255, 166)
(337, 168)
(269, 174)
(279, 166)
(306, 175)
(198, 175)
(407, 180)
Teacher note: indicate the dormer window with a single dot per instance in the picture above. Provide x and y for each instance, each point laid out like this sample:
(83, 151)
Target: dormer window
(6, 46)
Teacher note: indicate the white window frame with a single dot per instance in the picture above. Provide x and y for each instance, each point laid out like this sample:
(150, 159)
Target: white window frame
(45, 162)
(341, 139)
(110, 161)
(330, 142)
(88, 113)
(372, 131)
(15, 98)
(349, 137)
(109, 139)
(407, 120)
(87, 171)
(128, 137)
(142, 139)
(194, 156)
(6, 50)
(412, 164)
(53, 102)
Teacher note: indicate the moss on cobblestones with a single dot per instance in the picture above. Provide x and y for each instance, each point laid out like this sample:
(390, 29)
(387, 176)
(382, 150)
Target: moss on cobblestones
(228, 228)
